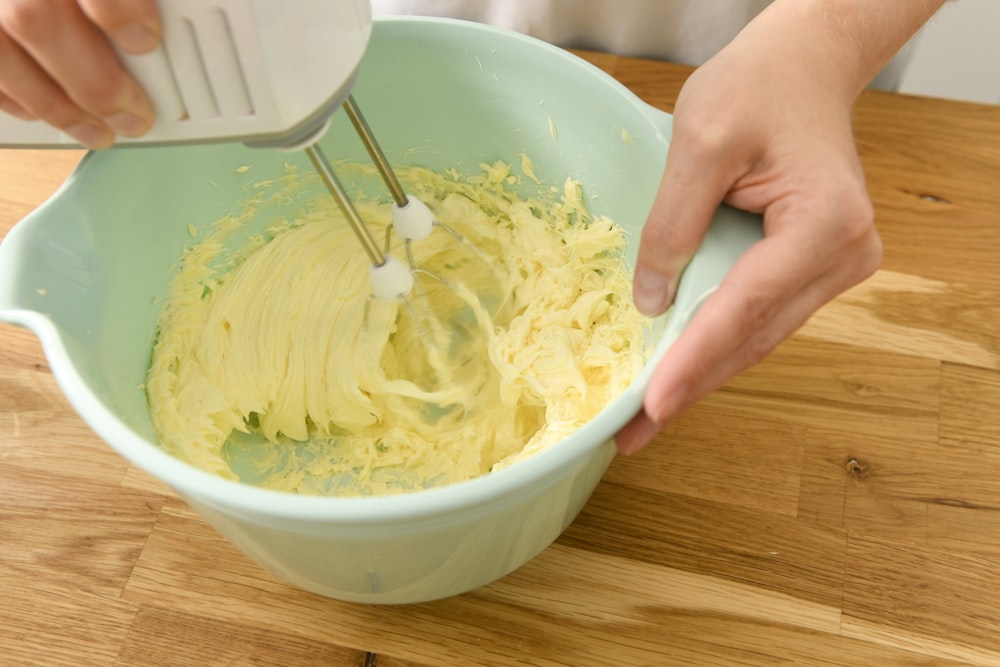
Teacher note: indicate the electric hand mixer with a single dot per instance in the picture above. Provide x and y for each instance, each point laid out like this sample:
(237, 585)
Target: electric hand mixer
(267, 74)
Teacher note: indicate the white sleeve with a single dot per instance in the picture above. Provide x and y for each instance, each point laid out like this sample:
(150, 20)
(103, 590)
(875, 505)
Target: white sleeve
(687, 31)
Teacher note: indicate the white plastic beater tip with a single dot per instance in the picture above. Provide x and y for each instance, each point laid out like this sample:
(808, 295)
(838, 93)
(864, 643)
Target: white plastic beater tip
(413, 221)
(392, 280)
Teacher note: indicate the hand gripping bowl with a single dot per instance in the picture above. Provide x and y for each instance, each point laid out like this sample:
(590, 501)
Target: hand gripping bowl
(83, 272)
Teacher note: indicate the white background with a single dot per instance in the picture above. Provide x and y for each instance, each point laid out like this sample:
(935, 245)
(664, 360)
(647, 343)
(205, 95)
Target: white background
(957, 55)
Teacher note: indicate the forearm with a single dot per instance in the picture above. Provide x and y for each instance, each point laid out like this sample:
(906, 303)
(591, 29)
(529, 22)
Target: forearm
(851, 40)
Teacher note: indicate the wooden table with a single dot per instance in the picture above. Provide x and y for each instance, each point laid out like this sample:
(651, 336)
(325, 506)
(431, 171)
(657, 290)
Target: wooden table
(839, 504)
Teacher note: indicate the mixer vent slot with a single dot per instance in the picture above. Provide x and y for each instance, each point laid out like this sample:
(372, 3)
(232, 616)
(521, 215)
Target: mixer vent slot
(199, 98)
(205, 68)
(241, 90)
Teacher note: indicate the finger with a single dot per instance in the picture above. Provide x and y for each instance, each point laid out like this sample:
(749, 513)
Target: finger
(30, 87)
(695, 180)
(9, 106)
(758, 284)
(795, 313)
(95, 81)
(809, 236)
(706, 356)
(749, 352)
(636, 434)
(132, 25)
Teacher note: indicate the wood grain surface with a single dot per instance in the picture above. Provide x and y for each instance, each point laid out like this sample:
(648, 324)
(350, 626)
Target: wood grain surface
(837, 505)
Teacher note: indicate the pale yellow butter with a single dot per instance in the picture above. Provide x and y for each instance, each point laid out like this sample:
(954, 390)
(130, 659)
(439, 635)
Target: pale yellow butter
(272, 366)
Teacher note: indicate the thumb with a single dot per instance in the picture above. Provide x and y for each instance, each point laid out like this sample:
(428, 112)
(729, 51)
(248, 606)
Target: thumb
(694, 183)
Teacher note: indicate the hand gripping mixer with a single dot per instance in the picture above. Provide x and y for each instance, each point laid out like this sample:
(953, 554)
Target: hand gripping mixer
(268, 74)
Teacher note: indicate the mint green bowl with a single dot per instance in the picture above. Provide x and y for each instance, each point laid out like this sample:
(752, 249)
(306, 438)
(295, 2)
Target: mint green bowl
(84, 270)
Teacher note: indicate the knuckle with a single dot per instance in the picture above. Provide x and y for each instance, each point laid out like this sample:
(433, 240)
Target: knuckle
(102, 97)
(111, 15)
(27, 19)
(57, 110)
(759, 348)
(754, 312)
(857, 218)
(665, 233)
(14, 108)
(61, 113)
(870, 256)
(855, 232)
(671, 234)
(841, 199)
(709, 141)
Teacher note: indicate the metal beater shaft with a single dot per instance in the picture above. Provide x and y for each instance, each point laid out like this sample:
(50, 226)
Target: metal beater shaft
(332, 184)
(375, 151)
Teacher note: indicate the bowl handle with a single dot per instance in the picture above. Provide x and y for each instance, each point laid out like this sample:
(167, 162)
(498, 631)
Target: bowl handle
(14, 255)
(41, 275)
(729, 235)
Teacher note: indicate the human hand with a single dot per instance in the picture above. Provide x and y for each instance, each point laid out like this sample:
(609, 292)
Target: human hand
(765, 129)
(57, 65)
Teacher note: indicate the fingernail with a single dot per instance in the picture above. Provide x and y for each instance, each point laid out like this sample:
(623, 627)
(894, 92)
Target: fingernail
(651, 291)
(127, 123)
(136, 37)
(91, 135)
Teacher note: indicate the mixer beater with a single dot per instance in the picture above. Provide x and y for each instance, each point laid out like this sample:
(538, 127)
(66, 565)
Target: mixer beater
(411, 218)
(390, 278)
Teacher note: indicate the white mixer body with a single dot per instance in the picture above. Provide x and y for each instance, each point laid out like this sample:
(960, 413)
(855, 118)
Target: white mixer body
(262, 72)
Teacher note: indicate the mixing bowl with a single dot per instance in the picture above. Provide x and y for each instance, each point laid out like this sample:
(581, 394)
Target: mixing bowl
(85, 272)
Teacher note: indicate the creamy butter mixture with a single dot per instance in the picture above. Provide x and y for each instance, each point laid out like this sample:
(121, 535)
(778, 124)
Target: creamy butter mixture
(273, 367)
